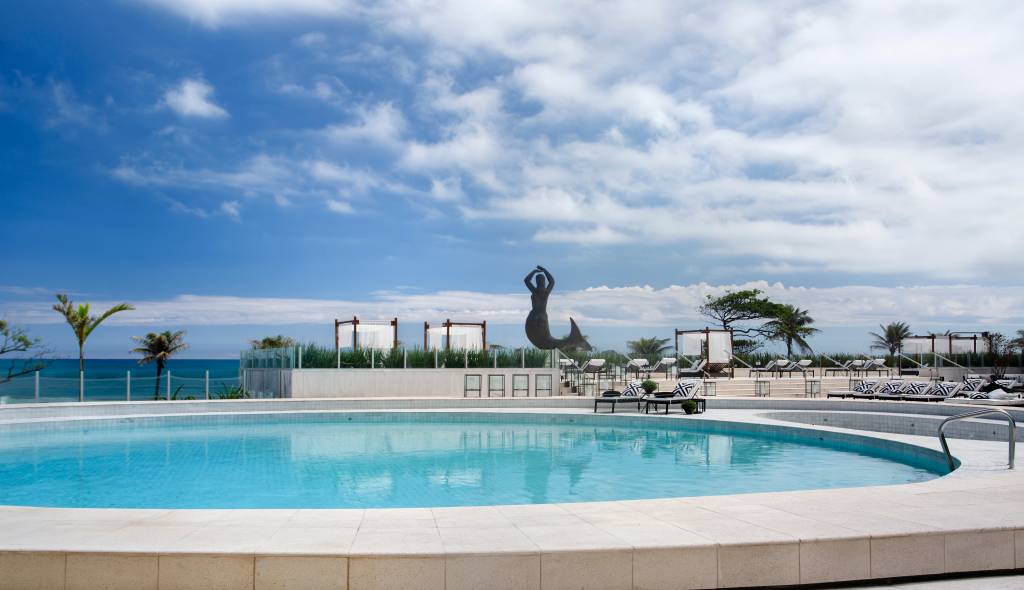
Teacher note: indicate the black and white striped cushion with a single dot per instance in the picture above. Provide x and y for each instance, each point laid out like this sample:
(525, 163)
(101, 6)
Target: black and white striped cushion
(946, 388)
(973, 384)
(633, 390)
(917, 387)
(890, 387)
(686, 388)
(864, 386)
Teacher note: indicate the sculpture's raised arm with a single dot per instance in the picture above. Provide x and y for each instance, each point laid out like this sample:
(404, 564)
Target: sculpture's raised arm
(529, 278)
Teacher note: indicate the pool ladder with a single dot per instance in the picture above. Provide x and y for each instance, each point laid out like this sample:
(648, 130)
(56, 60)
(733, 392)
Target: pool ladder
(1011, 424)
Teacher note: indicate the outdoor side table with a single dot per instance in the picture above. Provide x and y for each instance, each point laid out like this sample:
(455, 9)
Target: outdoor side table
(812, 387)
(710, 389)
(762, 388)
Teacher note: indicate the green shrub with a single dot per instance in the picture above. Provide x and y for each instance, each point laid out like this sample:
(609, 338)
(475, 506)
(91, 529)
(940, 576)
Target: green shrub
(650, 386)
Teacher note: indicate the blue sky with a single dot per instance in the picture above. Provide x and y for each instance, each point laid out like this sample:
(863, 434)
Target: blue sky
(236, 168)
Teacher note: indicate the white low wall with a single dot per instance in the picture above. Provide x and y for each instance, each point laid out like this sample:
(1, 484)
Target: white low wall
(323, 383)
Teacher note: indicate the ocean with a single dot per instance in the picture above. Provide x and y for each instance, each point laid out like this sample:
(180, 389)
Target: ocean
(105, 380)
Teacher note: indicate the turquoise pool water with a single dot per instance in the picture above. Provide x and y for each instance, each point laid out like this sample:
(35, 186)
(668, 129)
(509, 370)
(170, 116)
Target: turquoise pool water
(375, 460)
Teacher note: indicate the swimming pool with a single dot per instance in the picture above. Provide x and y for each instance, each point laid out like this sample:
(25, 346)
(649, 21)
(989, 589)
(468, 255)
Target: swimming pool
(420, 459)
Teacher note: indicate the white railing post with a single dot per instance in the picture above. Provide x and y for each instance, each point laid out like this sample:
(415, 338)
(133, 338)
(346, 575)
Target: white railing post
(37, 387)
(465, 359)
(81, 386)
(206, 384)
(373, 363)
(522, 357)
(128, 386)
(405, 358)
(435, 358)
(168, 386)
(300, 356)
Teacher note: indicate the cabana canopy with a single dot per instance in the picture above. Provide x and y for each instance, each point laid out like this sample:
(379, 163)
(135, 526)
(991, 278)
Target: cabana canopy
(955, 343)
(455, 335)
(357, 333)
(713, 345)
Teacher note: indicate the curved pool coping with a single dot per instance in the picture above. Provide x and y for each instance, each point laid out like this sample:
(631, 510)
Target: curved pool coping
(971, 520)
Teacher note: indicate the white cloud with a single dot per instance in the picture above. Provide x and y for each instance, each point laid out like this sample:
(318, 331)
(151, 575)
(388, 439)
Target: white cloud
(930, 307)
(382, 124)
(191, 98)
(232, 209)
(341, 207)
(804, 136)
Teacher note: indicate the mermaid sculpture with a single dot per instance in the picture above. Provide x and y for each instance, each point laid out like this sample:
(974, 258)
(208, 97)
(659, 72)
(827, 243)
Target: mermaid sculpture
(537, 329)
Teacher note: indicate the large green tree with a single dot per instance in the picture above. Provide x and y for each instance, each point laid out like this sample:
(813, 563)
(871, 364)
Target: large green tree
(736, 307)
(890, 337)
(791, 325)
(158, 347)
(83, 324)
(28, 350)
(278, 341)
(648, 348)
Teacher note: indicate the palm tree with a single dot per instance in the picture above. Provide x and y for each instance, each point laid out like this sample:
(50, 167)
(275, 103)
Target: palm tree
(82, 324)
(279, 341)
(891, 337)
(648, 348)
(792, 325)
(158, 348)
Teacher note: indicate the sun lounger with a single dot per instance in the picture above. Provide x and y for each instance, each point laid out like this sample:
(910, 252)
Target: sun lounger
(864, 390)
(666, 364)
(686, 390)
(803, 367)
(639, 367)
(696, 370)
(891, 390)
(632, 394)
(770, 368)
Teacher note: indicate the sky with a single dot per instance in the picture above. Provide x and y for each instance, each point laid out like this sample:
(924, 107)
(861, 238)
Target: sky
(239, 168)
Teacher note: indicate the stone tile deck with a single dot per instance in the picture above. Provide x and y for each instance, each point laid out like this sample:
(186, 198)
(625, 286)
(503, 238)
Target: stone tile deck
(971, 520)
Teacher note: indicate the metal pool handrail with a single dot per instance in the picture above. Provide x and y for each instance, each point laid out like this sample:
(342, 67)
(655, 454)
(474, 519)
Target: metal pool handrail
(1012, 429)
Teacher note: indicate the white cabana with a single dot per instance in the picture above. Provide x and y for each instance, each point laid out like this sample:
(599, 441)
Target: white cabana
(944, 344)
(370, 334)
(713, 345)
(455, 336)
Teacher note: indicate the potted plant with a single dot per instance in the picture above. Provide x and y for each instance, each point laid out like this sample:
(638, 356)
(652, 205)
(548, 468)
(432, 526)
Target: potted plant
(649, 386)
(689, 406)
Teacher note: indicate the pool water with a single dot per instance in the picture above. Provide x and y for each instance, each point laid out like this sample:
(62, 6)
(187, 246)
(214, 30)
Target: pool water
(376, 460)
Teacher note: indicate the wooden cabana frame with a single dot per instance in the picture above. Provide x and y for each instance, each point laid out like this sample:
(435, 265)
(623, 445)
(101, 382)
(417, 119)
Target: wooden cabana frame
(705, 352)
(354, 322)
(448, 325)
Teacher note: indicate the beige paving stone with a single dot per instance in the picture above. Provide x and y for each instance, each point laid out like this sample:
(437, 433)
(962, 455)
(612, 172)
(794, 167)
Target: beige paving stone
(226, 539)
(309, 540)
(675, 569)
(206, 572)
(476, 516)
(397, 542)
(908, 555)
(758, 564)
(568, 538)
(492, 572)
(300, 573)
(31, 570)
(835, 560)
(111, 571)
(315, 518)
(978, 551)
(507, 539)
(396, 573)
(593, 570)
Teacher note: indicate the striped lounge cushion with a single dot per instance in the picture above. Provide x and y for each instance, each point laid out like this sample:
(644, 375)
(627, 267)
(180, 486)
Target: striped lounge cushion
(946, 388)
(686, 388)
(890, 387)
(633, 390)
(973, 384)
(864, 386)
(917, 388)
